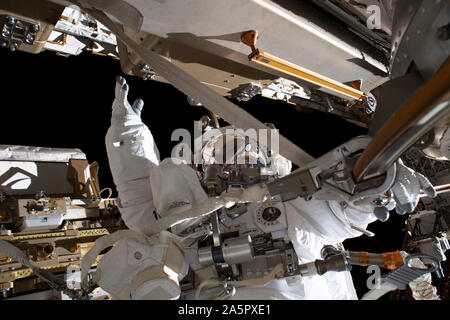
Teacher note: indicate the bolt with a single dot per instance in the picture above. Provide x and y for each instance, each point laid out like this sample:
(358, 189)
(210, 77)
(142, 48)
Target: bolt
(138, 255)
(13, 47)
(3, 44)
(29, 38)
(10, 20)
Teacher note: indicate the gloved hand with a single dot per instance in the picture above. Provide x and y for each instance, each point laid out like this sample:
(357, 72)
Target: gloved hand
(406, 192)
(121, 107)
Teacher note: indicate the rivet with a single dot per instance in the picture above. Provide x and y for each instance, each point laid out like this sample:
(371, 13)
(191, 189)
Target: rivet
(138, 255)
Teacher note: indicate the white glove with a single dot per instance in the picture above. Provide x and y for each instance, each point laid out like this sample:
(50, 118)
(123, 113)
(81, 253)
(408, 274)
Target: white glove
(121, 107)
(407, 188)
(406, 192)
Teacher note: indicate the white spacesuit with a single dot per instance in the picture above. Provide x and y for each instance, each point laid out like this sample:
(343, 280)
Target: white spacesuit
(150, 263)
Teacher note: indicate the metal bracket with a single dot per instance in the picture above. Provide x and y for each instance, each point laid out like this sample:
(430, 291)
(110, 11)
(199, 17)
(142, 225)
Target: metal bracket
(299, 183)
(16, 31)
(148, 72)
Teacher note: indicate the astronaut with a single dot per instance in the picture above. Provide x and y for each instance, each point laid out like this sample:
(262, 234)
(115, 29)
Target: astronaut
(149, 262)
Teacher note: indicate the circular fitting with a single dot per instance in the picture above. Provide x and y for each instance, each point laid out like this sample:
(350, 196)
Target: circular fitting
(45, 250)
(271, 214)
(138, 255)
(328, 251)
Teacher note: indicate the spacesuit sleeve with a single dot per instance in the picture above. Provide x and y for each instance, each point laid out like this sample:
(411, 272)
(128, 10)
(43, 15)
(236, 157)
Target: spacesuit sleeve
(328, 220)
(132, 154)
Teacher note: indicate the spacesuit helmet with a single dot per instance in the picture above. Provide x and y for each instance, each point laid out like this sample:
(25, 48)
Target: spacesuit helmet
(234, 148)
(239, 158)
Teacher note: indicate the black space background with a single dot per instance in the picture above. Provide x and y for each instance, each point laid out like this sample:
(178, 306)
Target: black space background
(53, 101)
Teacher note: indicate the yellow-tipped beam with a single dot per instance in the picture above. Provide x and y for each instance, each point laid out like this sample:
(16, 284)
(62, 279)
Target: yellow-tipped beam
(258, 56)
(268, 60)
